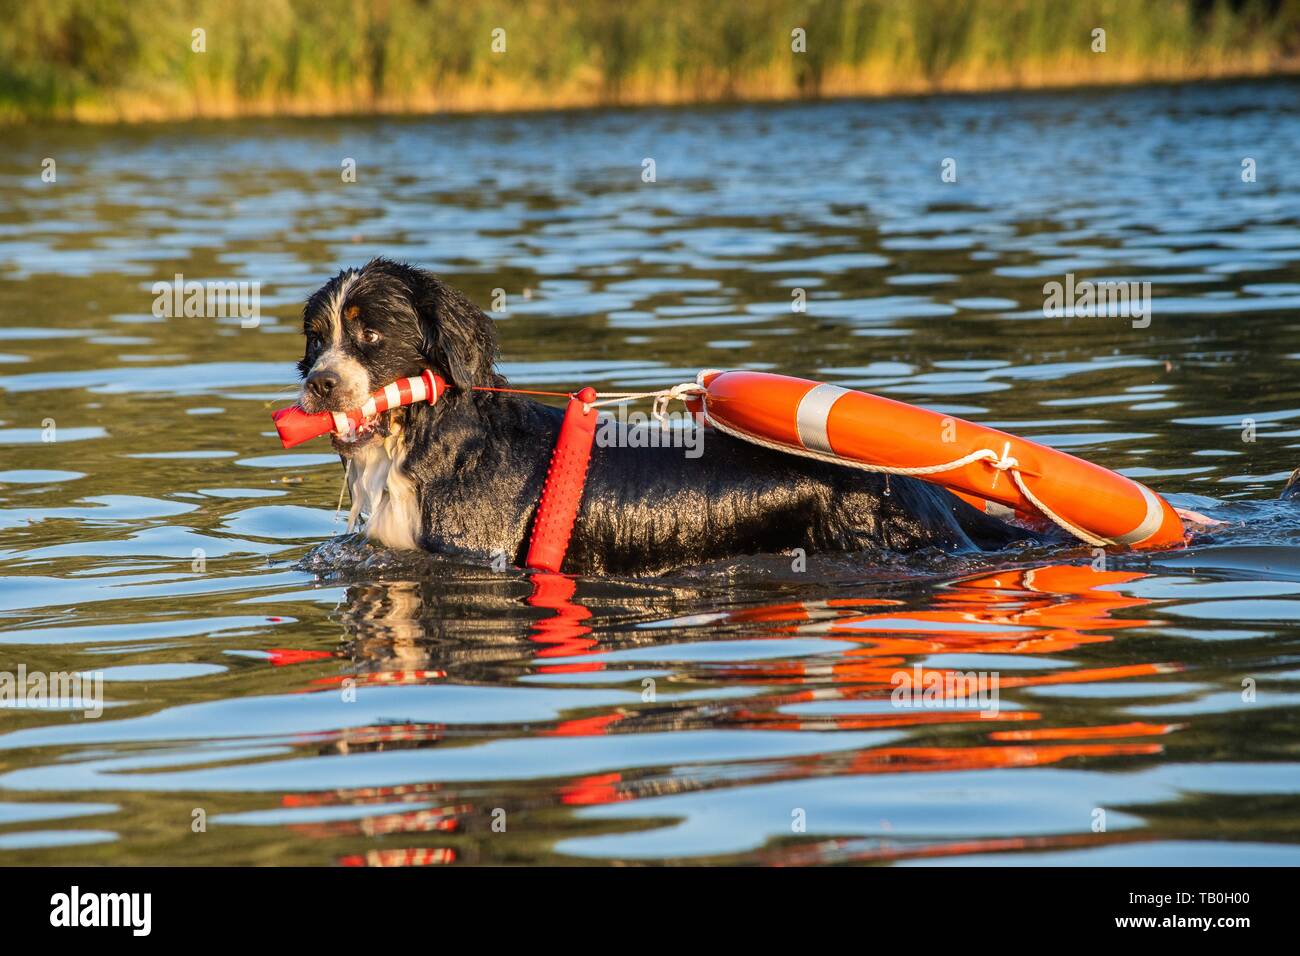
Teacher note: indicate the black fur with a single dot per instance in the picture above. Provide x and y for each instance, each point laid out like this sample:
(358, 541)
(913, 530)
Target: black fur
(478, 461)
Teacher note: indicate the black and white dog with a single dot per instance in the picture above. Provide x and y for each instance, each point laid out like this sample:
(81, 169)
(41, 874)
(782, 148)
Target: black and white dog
(463, 476)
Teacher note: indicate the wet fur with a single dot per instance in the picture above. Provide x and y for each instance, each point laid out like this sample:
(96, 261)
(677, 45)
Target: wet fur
(463, 476)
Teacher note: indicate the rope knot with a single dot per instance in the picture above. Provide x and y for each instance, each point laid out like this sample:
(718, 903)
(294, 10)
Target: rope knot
(676, 393)
(1004, 462)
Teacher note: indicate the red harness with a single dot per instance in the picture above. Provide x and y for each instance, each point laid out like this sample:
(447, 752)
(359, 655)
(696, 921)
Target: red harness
(561, 494)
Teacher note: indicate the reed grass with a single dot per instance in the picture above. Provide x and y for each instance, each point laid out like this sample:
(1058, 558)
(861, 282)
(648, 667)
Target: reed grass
(98, 60)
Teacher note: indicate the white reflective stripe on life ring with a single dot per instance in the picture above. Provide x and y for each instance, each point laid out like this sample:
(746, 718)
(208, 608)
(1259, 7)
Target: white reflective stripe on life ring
(419, 391)
(1150, 524)
(812, 415)
(392, 395)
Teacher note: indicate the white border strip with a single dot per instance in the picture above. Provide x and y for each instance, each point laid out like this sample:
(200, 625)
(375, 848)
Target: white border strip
(1155, 516)
(813, 413)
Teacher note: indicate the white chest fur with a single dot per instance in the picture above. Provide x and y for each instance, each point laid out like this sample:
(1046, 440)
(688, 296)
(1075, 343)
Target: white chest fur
(383, 496)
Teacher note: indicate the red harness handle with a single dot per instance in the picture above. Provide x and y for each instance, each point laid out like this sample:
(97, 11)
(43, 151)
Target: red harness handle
(562, 493)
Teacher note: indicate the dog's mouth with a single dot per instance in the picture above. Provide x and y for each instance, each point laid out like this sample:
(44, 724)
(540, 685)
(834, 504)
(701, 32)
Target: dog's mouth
(347, 442)
(369, 430)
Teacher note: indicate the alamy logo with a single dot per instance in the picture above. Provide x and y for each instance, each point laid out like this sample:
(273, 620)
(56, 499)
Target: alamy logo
(211, 300)
(946, 689)
(1105, 299)
(103, 909)
(61, 690)
(636, 429)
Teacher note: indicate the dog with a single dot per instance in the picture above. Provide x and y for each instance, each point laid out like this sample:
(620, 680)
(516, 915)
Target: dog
(462, 476)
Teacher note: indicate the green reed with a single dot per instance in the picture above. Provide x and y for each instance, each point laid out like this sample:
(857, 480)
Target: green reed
(133, 59)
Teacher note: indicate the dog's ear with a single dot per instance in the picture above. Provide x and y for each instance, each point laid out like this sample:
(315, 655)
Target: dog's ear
(458, 340)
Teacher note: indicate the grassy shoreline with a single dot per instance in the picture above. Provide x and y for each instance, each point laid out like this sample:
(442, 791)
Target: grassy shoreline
(97, 61)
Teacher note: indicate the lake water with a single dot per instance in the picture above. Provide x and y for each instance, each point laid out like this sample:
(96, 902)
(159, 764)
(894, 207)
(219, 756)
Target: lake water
(272, 701)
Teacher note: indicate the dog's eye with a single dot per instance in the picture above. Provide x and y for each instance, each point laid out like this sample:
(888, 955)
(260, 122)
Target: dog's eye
(369, 336)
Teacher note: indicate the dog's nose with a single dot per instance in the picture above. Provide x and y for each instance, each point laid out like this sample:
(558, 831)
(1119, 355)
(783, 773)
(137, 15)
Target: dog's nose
(322, 383)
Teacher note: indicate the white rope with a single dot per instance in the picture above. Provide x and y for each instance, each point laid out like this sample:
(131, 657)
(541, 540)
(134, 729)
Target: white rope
(1056, 519)
(338, 509)
(661, 398)
(1004, 462)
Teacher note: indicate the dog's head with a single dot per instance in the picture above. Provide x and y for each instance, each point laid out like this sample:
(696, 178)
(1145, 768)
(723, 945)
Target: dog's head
(368, 327)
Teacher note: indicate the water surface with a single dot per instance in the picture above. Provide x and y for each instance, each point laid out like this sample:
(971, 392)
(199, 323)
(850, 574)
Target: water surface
(299, 703)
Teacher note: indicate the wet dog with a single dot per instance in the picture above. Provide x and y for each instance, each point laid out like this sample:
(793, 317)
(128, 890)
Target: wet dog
(463, 476)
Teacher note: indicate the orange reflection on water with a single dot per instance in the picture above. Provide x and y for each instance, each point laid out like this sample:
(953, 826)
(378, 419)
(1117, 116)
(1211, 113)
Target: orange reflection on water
(1045, 610)
(594, 790)
(563, 633)
(907, 759)
(1134, 729)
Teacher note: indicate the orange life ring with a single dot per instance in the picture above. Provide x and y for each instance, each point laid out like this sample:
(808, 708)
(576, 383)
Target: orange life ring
(984, 466)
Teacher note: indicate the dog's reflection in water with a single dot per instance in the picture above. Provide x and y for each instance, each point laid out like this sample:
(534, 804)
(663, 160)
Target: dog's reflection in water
(407, 625)
(469, 629)
(480, 626)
